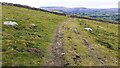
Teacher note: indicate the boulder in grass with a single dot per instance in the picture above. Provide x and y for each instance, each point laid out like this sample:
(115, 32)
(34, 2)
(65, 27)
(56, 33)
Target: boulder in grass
(10, 23)
(88, 29)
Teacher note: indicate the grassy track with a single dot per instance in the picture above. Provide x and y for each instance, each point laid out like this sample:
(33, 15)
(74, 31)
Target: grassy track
(56, 40)
(81, 47)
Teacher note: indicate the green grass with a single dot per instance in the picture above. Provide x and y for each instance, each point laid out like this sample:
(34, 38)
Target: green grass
(102, 36)
(75, 43)
(19, 40)
(104, 33)
(26, 45)
(100, 48)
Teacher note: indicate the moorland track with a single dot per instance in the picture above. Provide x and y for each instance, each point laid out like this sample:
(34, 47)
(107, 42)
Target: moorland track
(57, 54)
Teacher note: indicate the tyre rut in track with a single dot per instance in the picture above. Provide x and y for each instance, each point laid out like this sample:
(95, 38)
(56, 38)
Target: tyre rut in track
(56, 53)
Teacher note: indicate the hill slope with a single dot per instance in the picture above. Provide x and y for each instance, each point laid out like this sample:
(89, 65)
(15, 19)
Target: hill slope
(56, 40)
(25, 44)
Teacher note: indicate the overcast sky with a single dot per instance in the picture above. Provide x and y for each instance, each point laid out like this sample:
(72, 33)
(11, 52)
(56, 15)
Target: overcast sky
(68, 3)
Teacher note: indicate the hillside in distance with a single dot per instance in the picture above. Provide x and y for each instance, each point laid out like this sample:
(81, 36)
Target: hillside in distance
(105, 14)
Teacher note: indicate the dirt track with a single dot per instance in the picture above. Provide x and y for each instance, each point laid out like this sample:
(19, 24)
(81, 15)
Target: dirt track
(56, 53)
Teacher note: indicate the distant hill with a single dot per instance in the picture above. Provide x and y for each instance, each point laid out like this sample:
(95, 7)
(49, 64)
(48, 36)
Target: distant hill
(106, 14)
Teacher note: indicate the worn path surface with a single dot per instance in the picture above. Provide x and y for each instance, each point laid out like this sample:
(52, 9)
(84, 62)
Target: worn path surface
(70, 48)
(56, 52)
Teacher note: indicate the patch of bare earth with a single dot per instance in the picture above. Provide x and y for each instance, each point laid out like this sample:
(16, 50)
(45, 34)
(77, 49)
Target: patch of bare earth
(56, 53)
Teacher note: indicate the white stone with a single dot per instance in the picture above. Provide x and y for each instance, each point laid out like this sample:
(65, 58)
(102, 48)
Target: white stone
(10, 23)
(88, 29)
(32, 24)
(62, 53)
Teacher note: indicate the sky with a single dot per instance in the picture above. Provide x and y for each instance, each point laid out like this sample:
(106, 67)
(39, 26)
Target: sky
(67, 3)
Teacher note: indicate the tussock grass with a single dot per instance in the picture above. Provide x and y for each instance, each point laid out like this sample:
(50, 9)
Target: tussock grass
(25, 44)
